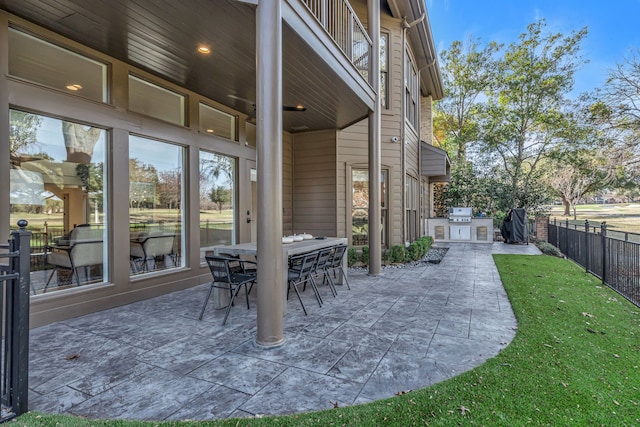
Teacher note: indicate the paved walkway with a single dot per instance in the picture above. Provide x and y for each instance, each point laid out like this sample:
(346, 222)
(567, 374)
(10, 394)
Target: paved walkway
(404, 330)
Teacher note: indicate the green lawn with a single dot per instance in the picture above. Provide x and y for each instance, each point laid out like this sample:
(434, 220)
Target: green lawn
(622, 217)
(574, 361)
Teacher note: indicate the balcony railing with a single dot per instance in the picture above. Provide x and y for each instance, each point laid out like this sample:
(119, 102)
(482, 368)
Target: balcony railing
(343, 25)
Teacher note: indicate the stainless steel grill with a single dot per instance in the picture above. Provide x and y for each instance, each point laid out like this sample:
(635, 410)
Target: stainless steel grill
(462, 215)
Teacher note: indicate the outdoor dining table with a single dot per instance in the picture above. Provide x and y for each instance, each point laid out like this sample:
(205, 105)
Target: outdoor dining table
(221, 298)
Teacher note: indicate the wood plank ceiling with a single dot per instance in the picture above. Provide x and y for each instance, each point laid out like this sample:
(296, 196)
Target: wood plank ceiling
(162, 36)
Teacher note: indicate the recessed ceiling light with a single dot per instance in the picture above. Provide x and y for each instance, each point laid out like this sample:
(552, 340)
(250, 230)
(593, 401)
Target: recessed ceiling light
(204, 49)
(74, 87)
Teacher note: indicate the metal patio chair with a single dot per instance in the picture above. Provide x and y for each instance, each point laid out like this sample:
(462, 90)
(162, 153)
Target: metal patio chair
(223, 278)
(150, 248)
(300, 273)
(334, 266)
(319, 269)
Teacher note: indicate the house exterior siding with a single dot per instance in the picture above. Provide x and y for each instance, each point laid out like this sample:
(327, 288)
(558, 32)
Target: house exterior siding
(316, 169)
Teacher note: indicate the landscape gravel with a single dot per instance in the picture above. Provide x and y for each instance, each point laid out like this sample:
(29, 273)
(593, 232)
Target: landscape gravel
(433, 257)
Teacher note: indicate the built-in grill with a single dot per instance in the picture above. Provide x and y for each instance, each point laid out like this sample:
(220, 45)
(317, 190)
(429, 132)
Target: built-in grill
(460, 215)
(460, 223)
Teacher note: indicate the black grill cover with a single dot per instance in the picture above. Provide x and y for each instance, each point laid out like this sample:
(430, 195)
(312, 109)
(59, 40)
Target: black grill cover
(514, 227)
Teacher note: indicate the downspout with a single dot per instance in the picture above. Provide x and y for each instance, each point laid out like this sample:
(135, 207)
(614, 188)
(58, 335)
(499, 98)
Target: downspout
(405, 25)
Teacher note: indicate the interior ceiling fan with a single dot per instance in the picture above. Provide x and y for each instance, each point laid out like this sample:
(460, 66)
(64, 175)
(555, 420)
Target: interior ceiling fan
(298, 108)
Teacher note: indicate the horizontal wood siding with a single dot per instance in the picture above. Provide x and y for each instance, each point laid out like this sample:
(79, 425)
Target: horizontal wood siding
(287, 183)
(412, 147)
(353, 151)
(314, 183)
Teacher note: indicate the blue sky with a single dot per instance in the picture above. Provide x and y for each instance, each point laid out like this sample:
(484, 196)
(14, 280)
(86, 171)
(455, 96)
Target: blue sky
(614, 27)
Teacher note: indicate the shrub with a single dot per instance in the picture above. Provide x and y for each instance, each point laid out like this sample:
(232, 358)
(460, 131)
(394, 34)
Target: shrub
(365, 255)
(352, 256)
(413, 251)
(396, 254)
(548, 249)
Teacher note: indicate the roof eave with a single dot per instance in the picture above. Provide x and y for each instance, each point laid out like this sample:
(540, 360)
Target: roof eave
(430, 77)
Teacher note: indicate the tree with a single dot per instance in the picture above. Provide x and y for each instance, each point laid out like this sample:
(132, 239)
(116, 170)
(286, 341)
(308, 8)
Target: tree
(616, 111)
(170, 188)
(586, 162)
(143, 182)
(23, 131)
(524, 118)
(220, 196)
(467, 71)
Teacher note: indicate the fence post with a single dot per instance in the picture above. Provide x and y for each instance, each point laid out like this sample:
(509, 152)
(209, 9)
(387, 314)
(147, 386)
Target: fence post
(586, 245)
(566, 239)
(17, 311)
(603, 234)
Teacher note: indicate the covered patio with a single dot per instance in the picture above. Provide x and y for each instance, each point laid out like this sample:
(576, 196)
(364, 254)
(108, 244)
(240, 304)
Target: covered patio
(403, 330)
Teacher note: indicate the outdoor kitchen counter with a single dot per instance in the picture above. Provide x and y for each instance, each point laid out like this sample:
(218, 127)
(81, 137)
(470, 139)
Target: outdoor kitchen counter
(480, 230)
(221, 299)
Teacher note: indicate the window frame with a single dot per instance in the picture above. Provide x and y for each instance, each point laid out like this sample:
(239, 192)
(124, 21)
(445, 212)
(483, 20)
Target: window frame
(384, 204)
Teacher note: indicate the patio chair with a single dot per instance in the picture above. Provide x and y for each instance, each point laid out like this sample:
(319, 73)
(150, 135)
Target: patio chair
(77, 254)
(150, 247)
(223, 278)
(335, 265)
(300, 272)
(319, 269)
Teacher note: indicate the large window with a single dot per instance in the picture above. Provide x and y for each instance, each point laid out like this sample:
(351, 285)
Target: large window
(411, 208)
(360, 207)
(155, 101)
(412, 103)
(384, 70)
(156, 221)
(217, 200)
(58, 183)
(44, 63)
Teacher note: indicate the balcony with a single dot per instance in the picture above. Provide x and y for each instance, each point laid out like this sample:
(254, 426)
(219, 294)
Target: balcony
(342, 24)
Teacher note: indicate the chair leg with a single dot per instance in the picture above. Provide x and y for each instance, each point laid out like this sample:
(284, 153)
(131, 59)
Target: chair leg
(246, 293)
(50, 277)
(344, 276)
(299, 298)
(332, 285)
(315, 290)
(235, 292)
(75, 273)
(206, 301)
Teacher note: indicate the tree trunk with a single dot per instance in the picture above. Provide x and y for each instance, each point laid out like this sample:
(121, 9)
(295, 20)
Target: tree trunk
(567, 206)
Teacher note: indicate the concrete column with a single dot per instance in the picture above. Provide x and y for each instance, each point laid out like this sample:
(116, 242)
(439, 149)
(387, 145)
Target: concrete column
(269, 164)
(375, 239)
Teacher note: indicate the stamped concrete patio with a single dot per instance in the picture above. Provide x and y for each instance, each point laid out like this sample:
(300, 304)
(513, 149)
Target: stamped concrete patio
(401, 331)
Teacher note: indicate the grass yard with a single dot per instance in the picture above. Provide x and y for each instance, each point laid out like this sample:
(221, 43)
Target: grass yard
(622, 217)
(574, 361)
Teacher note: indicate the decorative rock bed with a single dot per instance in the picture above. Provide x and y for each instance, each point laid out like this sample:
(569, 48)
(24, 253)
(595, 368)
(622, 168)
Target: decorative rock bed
(433, 257)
